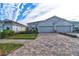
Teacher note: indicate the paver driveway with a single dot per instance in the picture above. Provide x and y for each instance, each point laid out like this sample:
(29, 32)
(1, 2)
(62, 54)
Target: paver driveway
(49, 44)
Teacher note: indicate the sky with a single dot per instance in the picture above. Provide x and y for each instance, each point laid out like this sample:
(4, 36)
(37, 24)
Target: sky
(24, 12)
(16, 11)
(30, 12)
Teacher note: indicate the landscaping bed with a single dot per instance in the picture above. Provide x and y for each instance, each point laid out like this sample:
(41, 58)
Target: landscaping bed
(71, 35)
(10, 34)
(7, 48)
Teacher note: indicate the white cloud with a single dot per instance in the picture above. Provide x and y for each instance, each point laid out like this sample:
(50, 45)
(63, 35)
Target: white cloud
(69, 12)
(68, 9)
(17, 12)
(38, 13)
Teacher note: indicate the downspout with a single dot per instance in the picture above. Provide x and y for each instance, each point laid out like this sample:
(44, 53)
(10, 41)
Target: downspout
(73, 27)
(36, 26)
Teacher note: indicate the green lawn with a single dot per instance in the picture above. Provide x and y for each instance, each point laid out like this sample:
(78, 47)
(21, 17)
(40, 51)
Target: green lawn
(8, 47)
(24, 36)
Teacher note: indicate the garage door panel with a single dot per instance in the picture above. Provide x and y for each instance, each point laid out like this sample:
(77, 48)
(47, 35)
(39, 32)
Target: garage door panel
(45, 29)
(52, 28)
(63, 29)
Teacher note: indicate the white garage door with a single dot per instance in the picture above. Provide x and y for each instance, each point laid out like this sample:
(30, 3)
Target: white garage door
(45, 29)
(63, 29)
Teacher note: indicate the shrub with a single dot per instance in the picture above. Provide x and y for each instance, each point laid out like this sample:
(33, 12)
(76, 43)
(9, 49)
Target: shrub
(22, 32)
(6, 33)
(32, 31)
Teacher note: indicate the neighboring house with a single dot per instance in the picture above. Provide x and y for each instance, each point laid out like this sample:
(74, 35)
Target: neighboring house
(53, 24)
(76, 26)
(12, 25)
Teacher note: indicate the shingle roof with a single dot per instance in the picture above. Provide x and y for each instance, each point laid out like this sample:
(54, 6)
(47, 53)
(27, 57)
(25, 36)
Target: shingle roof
(9, 21)
(51, 18)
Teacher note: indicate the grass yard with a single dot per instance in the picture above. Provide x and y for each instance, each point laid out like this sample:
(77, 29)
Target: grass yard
(24, 36)
(8, 47)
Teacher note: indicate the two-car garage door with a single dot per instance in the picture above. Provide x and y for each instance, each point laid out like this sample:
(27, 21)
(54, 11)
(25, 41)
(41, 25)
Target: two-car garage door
(45, 29)
(52, 29)
(63, 28)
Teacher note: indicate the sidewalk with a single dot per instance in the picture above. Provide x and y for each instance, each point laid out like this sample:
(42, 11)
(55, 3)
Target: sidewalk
(77, 34)
(20, 41)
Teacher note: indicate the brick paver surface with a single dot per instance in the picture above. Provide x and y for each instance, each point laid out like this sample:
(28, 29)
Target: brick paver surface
(49, 44)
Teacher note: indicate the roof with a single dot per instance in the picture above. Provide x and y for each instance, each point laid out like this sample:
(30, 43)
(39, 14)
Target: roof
(50, 18)
(75, 23)
(10, 21)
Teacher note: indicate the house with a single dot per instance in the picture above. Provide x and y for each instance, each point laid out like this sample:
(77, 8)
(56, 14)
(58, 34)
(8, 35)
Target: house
(12, 25)
(53, 24)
